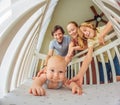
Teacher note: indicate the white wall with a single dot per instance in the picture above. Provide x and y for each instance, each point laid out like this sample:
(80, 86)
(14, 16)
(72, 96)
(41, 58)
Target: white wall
(65, 11)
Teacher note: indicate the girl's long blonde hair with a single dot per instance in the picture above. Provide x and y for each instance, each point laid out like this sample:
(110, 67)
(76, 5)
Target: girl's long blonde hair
(81, 41)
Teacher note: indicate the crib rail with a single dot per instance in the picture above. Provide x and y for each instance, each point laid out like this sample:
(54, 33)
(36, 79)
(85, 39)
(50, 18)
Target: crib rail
(92, 74)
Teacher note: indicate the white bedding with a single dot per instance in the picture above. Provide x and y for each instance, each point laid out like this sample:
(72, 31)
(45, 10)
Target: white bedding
(105, 94)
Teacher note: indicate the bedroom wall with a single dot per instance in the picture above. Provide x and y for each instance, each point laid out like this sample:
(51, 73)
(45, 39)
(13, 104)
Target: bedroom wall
(65, 11)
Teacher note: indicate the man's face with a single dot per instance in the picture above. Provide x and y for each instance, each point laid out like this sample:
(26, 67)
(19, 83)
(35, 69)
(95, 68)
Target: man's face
(58, 35)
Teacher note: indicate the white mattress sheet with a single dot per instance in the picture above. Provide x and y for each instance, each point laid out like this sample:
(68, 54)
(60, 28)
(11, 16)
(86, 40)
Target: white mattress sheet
(104, 94)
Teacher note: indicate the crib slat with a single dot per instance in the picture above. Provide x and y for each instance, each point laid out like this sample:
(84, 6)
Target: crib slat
(104, 68)
(117, 52)
(97, 70)
(112, 66)
(90, 75)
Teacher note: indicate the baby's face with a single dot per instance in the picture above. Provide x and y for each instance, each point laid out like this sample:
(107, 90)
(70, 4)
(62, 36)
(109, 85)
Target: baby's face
(56, 69)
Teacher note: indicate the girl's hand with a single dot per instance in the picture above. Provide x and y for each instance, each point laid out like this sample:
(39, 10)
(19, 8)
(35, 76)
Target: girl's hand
(76, 89)
(101, 40)
(78, 79)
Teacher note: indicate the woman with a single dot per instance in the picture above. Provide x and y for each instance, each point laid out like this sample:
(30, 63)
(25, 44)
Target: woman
(77, 43)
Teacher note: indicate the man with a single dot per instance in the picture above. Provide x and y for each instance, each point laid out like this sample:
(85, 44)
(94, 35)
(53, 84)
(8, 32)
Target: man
(59, 44)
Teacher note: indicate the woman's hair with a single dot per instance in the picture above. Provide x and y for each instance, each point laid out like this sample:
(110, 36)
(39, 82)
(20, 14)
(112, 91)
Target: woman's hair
(81, 40)
(57, 27)
(73, 22)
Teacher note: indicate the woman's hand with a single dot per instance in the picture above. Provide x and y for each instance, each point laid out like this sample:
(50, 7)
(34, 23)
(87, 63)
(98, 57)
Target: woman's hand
(71, 52)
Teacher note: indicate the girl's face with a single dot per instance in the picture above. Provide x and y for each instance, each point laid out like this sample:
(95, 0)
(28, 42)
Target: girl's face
(72, 30)
(88, 32)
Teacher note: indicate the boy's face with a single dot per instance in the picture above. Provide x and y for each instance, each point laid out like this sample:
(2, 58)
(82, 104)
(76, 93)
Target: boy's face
(72, 30)
(56, 69)
(58, 35)
(88, 32)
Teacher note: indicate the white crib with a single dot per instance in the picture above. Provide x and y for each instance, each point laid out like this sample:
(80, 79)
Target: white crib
(18, 74)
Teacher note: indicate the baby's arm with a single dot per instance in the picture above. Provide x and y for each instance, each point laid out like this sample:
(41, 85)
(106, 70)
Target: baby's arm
(36, 89)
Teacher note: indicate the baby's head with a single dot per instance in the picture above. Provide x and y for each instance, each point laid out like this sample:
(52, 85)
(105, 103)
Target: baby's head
(56, 68)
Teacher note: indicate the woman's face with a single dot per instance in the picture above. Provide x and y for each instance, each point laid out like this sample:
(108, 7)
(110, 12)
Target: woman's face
(72, 30)
(88, 32)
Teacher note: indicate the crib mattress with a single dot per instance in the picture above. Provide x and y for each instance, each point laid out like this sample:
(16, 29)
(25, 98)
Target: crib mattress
(105, 94)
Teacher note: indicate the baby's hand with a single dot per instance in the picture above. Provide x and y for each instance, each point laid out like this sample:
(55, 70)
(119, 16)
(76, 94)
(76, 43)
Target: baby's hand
(76, 89)
(37, 91)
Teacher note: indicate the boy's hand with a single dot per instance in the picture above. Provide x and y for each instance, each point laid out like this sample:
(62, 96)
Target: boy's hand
(37, 91)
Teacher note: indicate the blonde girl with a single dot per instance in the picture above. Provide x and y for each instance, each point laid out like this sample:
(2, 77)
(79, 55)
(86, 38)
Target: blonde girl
(93, 37)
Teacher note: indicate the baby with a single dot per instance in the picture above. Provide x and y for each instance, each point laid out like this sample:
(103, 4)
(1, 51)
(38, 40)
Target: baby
(53, 78)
